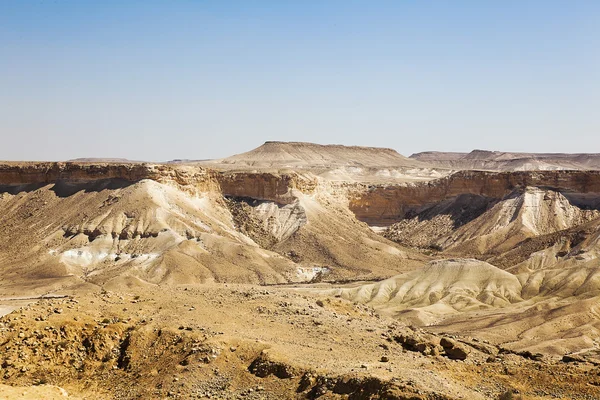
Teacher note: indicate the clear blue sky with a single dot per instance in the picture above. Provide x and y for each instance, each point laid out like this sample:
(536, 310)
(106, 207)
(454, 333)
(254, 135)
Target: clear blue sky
(157, 80)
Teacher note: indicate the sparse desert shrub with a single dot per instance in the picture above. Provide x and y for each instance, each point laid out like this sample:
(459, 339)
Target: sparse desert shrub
(510, 395)
(436, 247)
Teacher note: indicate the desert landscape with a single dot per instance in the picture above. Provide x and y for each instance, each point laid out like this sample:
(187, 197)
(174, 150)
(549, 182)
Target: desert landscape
(302, 271)
(299, 200)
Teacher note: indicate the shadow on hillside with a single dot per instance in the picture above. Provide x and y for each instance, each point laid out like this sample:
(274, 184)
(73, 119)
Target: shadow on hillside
(68, 188)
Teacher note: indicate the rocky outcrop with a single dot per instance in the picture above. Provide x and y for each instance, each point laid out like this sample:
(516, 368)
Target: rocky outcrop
(265, 186)
(374, 204)
(17, 175)
(506, 161)
(454, 350)
(275, 187)
(481, 223)
(386, 204)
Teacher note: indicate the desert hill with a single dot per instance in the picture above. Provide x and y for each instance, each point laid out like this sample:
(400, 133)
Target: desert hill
(456, 284)
(507, 161)
(300, 271)
(332, 162)
(311, 155)
(179, 225)
(554, 310)
(528, 217)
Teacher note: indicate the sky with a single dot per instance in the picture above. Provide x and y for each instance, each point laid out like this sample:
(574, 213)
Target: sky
(193, 79)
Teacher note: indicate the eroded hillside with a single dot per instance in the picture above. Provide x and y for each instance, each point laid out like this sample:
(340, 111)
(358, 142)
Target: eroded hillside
(119, 224)
(186, 281)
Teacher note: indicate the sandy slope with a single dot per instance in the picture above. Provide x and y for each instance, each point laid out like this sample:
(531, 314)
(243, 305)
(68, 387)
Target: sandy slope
(455, 284)
(550, 311)
(45, 392)
(138, 230)
(531, 213)
(153, 233)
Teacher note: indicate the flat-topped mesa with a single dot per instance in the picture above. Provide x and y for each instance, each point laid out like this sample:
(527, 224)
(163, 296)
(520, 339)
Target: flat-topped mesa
(310, 155)
(387, 204)
(509, 161)
(316, 146)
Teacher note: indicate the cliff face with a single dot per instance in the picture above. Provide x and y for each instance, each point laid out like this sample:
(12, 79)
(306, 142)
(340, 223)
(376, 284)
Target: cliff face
(374, 204)
(263, 186)
(171, 225)
(385, 204)
(19, 174)
(506, 161)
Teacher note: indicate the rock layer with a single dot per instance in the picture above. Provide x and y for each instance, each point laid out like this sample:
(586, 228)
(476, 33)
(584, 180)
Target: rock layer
(386, 204)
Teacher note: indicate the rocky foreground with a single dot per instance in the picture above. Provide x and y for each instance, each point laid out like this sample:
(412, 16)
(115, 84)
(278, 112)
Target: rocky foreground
(233, 342)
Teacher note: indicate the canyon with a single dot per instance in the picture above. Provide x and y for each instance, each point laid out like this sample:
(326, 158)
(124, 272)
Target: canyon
(299, 270)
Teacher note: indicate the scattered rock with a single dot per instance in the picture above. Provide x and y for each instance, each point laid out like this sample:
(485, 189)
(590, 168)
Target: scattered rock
(453, 350)
(263, 367)
(570, 358)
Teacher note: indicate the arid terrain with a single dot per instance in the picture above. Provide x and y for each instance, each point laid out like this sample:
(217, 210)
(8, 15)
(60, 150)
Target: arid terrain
(302, 271)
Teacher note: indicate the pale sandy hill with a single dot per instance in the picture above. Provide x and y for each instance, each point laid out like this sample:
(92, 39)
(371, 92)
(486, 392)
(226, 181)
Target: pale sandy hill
(577, 247)
(473, 224)
(451, 285)
(333, 238)
(554, 311)
(552, 326)
(148, 232)
(300, 154)
(577, 279)
(524, 214)
(509, 161)
(323, 237)
(443, 285)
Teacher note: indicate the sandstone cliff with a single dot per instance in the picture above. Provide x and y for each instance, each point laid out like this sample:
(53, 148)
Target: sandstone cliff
(386, 204)
(264, 186)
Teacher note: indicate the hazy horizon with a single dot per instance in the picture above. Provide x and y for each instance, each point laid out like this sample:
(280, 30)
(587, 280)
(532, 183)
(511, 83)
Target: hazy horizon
(156, 81)
(325, 144)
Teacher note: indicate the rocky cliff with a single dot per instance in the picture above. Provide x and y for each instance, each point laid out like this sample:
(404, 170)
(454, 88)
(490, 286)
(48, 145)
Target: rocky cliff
(375, 204)
(386, 204)
(263, 186)
(275, 187)
(508, 161)
(40, 173)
